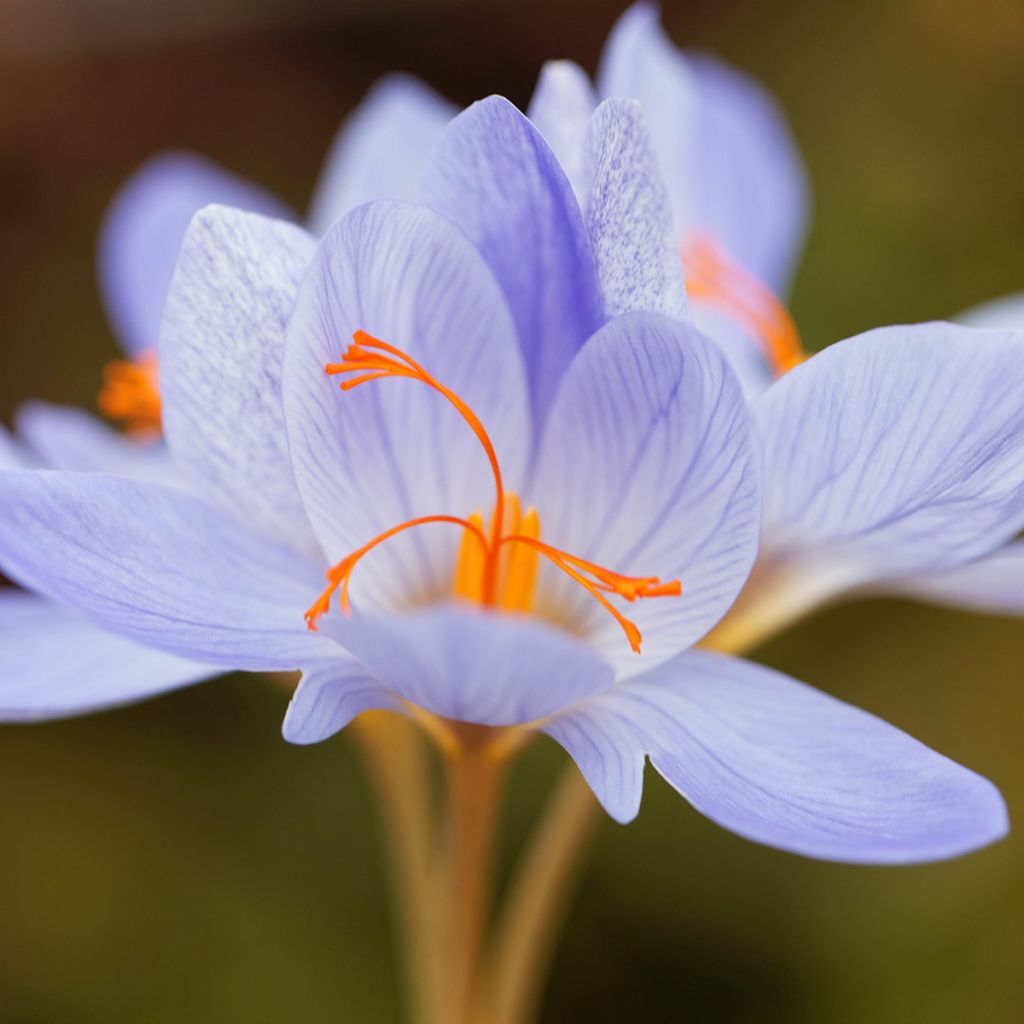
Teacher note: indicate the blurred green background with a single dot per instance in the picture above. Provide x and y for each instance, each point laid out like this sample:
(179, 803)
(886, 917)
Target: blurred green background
(179, 862)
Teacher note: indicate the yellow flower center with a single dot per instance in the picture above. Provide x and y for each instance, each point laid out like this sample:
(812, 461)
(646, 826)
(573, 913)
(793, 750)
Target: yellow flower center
(497, 566)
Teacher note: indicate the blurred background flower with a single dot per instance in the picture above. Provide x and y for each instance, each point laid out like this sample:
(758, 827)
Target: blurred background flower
(178, 861)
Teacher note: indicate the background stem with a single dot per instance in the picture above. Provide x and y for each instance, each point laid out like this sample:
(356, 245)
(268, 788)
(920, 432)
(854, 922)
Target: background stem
(538, 904)
(474, 778)
(396, 762)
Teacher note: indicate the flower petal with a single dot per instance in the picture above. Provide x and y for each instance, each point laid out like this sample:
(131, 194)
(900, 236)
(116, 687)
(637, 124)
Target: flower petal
(159, 566)
(628, 217)
(782, 764)
(604, 745)
(729, 161)
(993, 584)
(54, 663)
(750, 179)
(328, 697)
(143, 229)
(494, 175)
(393, 450)
(12, 452)
(668, 485)
(738, 346)
(68, 438)
(1003, 313)
(560, 108)
(640, 63)
(221, 351)
(466, 664)
(381, 149)
(895, 452)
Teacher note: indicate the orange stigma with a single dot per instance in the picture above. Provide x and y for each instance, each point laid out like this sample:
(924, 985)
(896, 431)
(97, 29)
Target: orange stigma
(713, 278)
(130, 393)
(497, 563)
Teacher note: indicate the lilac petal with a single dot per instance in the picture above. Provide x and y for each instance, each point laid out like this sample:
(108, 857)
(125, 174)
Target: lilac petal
(466, 664)
(560, 108)
(993, 584)
(329, 696)
(628, 218)
(738, 346)
(1001, 314)
(640, 63)
(13, 454)
(750, 179)
(64, 437)
(381, 149)
(142, 233)
(158, 566)
(730, 164)
(647, 467)
(392, 450)
(221, 352)
(780, 763)
(895, 452)
(495, 176)
(605, 747)
(54, 663)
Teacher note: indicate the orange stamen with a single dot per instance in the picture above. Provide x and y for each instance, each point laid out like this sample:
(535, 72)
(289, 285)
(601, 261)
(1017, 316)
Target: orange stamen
(486, 571)
(130, 393)
(358, 359)
(629, 587)
(712, 277)
(340, 574)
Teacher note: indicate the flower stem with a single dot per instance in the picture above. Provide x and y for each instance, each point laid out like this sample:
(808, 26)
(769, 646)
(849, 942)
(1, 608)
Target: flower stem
(395, 759)
(474, 776)
(538, 904)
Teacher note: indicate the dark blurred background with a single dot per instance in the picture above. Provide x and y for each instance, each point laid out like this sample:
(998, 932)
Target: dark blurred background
(179, 862)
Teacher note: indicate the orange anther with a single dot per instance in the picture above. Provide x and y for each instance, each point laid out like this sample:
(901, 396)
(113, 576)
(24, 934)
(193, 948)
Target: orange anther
(130, 393)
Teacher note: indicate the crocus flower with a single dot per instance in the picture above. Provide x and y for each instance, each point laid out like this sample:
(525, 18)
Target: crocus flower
(739, 197)
(138, 248)
(534, 492)
(744, 150)
(378, 153)
(380, 150)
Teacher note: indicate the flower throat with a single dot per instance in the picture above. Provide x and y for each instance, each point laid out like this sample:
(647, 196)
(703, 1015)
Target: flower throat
(497, 561)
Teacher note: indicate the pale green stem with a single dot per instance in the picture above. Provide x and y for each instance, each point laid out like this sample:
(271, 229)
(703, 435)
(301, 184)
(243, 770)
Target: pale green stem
(538, 905)
(474, 776)
(396, 762)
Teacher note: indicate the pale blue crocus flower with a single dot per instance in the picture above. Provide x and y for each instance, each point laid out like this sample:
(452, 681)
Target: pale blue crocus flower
(516, 346)
(736, 185)
(384, 144)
